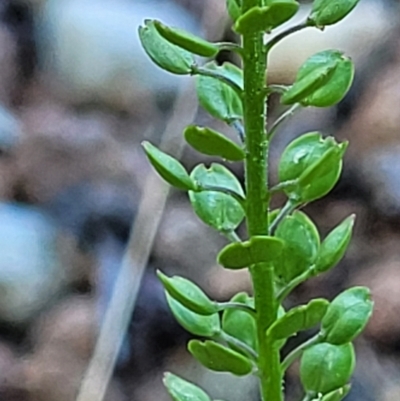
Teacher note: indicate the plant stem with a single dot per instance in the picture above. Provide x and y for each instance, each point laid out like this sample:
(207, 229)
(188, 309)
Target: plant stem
(237, 305)
(231, 236)
(284, 34)
(254, 107)
(288, 113)
(239, 344)
(285, 291)
(287, 209)
(296, 353)
(196, 70)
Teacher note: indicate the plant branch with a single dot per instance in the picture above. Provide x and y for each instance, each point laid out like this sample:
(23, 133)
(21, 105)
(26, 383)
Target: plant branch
(238, 126)
(296, 353)
(285, 291)
(239, 344)
(282, 186)
(286, 210)
(237, 305)
(276, 39)
(282, 118)
(234, 47)
(227, 191)
(276, 88)
(196, 70)
(231, 236)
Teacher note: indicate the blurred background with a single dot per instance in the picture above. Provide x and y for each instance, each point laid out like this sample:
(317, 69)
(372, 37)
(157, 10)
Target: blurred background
(77, 96)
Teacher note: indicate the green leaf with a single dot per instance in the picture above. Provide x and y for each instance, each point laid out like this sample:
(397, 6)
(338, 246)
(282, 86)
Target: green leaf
(325, 367)
(182, 390)
(199, 325)
(328, 12)
(163, 53)
(216, 357)
(245, 254)
(168, 167)
(334, 246)
(187, 40)
(234, 8)
(338, 394)
(333, 91)
(188, 294)
(217, 97)
(218, 210)
(264, 19)
(210, 142)
(347, 315)
(302, 317)
(240, 324)
(322, 81)
(310, 160)
(301, 245)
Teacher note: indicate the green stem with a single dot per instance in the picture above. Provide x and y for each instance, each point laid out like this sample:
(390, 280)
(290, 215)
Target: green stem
(227, 191)
(196, 70)
(239, 344)
(276, 39)
(254, 107)
(237, 305)
(285, 291)
(282, 118)
(309, 397)
(234, 47)
(296, 353)
(231, 236)
(283, 185)
(287, 209)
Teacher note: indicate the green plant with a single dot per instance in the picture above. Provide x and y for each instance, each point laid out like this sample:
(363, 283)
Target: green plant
(283, 248)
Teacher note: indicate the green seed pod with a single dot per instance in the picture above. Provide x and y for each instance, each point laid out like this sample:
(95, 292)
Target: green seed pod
(199, 325)
(163, 53)
(300, 318)
(217, 97)
(188, 294)
(216, 357)
(240, 324)
(310, 160)
(210, 142)
(338, 394)
(169, 168)
(234, 8)
(328, 12)
(301, 245)
(218, 210)
(335, 89)
(264, 19)
(182, 390)
(187, 40)
(322, 81)
(305, 85)
(325, 367)
(334, 246)
(347, 315)
(245, 254)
